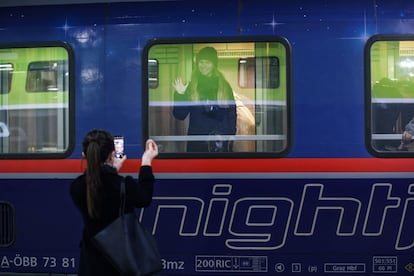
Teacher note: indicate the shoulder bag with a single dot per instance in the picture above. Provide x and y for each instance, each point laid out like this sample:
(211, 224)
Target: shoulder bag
(128, 245)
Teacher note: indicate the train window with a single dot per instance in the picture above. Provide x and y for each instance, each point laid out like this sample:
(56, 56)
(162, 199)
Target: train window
(36, 125)
(43, 76)
(218, 98)
(6, 73)
(249, 66)
(152, 73)
(390, 95)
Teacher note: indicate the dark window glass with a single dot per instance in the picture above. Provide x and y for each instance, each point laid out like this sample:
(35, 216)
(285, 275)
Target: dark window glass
(152, 73)
(6, 73)
(44, 76)
(267, 66)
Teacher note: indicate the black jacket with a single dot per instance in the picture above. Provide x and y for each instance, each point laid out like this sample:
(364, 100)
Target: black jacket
(138, 194)
(210, 114)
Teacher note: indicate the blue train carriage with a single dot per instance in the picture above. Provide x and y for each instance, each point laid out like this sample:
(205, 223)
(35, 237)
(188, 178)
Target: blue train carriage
(251, 213)
(36, 120)
(273, 204)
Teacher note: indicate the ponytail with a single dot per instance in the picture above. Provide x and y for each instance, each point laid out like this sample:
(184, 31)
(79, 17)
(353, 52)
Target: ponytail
(97, 146)
(93, 179)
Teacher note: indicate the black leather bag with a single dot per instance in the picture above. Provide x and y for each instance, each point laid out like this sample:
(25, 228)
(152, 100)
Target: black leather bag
(128, 245)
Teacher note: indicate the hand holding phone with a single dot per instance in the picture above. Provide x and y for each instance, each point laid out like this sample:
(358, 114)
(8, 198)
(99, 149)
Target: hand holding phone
(119, 146)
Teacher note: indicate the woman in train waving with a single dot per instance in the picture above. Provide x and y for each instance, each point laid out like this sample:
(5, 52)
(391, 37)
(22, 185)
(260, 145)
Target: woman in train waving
(209, 102)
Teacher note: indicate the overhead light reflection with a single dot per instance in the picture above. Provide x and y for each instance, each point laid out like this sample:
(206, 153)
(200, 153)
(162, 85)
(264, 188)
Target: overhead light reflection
(407, 63)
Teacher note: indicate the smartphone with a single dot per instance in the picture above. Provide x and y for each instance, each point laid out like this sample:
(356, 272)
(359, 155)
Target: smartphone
(119, 146)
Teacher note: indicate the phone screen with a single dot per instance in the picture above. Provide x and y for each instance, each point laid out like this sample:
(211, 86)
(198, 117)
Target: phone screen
(119, 146)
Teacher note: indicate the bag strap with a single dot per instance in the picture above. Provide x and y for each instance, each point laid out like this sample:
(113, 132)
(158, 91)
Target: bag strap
(122, 195)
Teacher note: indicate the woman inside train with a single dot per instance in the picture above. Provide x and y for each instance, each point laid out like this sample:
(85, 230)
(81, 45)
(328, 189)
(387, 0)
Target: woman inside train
(209, 103)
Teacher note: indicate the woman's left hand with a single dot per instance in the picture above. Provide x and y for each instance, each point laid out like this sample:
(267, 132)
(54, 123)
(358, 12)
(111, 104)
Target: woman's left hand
(118, 162)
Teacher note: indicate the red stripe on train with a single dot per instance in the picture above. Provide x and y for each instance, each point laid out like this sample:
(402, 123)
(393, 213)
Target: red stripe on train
(223, 165)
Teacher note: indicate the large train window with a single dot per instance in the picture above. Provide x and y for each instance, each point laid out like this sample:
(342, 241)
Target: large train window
(218, 98)
(390, 95)
(35, 100)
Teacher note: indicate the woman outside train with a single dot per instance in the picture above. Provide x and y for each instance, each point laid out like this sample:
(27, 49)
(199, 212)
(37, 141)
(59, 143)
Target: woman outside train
(96, 193)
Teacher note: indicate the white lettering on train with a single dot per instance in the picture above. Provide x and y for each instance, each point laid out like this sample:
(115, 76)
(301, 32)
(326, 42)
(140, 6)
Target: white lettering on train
(262, 223)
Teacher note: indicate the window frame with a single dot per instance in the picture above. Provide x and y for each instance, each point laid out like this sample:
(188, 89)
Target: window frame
(71, 101)
(369, 123)
(210, 40)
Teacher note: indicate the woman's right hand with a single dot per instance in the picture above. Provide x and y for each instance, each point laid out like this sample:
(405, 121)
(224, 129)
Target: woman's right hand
(151, 151)
(179, 86)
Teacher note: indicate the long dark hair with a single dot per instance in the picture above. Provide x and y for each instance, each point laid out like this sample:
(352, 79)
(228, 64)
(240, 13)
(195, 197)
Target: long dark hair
(97, 145)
